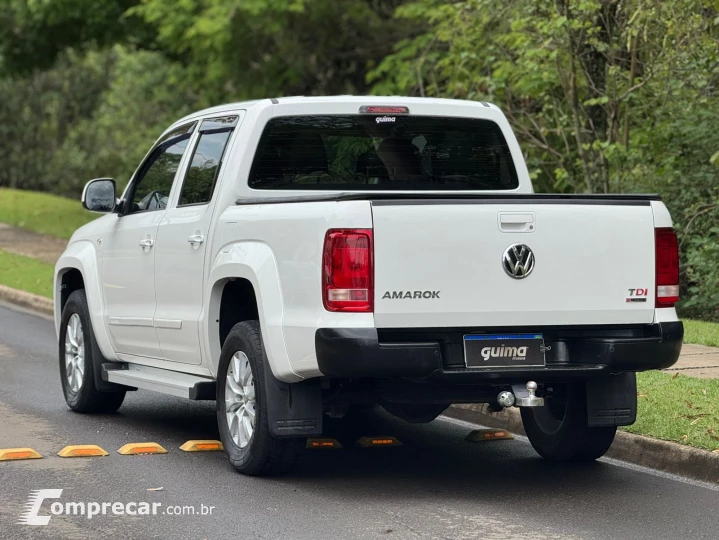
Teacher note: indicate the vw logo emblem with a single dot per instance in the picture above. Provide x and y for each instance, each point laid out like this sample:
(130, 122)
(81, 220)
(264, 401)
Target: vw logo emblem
(518, 261)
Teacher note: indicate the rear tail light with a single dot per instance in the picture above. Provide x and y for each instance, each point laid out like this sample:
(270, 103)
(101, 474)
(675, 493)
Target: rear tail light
(347, 273)
(667, 267)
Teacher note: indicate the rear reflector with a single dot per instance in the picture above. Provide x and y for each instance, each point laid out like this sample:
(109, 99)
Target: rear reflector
(347, 274)
(666, 267)
(379, 109)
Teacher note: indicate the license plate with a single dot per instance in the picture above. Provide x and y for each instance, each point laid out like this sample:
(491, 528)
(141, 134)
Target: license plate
(503, 350)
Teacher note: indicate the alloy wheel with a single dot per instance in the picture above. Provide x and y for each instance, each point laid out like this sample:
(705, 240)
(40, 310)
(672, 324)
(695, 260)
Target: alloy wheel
(74, 353)
(240, 399)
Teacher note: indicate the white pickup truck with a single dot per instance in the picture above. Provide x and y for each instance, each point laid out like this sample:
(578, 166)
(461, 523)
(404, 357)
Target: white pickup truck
(291, 258)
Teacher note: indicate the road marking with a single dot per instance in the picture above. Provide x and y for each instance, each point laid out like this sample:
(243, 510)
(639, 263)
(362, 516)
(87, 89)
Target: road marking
(481, 435)
(323, 443)
(9, 454)
(132, 449)
(201, 445)
(369, 442)
(82, 450)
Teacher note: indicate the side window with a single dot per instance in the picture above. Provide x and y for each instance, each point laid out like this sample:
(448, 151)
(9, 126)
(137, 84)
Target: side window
(205, 166)
(202, 173)
(152, 189)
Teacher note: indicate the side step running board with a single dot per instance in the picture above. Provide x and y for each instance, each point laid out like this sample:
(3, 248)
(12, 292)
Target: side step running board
(160, 380)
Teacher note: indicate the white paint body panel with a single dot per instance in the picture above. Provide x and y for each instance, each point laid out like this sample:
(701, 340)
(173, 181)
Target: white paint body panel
(128, 284)
(160, 309)
(587, 257)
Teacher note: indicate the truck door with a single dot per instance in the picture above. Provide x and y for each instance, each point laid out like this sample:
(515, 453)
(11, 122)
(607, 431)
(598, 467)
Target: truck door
(128, 264)
(182, 243)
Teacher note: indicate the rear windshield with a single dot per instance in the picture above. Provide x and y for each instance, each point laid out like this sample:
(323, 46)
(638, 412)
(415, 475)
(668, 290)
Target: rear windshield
(366, 152)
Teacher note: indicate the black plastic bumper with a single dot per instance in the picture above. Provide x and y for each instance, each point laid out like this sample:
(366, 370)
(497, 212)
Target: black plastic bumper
(437, 354)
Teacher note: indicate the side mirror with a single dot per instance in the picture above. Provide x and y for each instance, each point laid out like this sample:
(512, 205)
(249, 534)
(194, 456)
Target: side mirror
(99, 195)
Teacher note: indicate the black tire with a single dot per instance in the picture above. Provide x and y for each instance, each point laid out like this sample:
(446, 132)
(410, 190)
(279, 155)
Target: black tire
(559, 432)
(87, 398)
(264, 454)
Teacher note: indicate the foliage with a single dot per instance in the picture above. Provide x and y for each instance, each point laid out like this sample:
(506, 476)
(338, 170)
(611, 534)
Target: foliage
(261, 48)
(91, 115)
(609, 96)
(37, 31)
(605, 95)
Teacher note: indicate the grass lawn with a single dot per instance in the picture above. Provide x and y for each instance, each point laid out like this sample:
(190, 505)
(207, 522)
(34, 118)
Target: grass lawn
(701, 333)
(26, 274)
(678, 408)
(42, 213)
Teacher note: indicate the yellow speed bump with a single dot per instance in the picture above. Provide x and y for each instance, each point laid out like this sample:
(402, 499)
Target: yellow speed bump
(82, 450)
(7, 454)
(323, 443)
(133, 449)
(368, 442)
(479, 435)
(201, 446)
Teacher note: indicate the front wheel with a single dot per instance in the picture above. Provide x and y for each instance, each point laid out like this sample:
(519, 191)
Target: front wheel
(558, 431)
(242, 407)
(78, 352)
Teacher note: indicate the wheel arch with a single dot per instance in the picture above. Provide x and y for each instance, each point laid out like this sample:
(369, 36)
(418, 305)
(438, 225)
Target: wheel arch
(244, 283)
(77, 268)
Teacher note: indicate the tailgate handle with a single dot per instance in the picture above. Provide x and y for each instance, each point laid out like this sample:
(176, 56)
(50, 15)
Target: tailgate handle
(516, 221)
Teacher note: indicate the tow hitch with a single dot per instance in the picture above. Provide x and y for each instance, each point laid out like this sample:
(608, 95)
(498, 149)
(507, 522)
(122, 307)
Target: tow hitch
(520, 396)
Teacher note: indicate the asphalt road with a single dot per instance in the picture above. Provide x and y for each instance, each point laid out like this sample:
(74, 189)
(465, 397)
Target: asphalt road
(435, 486)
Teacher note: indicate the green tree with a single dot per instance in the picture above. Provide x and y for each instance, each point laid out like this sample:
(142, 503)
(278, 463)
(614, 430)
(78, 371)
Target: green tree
(605, 96)
(260, 48)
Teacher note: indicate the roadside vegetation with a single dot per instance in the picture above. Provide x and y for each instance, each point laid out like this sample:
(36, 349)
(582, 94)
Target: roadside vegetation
(24, 273)
(701, 333)
(42, 212)
(605, 97)
(678, 408)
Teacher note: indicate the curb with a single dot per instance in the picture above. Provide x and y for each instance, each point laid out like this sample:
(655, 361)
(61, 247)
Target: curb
(27, 300)
(656, 454)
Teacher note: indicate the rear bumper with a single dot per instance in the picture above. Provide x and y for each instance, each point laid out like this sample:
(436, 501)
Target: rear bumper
(437, 354)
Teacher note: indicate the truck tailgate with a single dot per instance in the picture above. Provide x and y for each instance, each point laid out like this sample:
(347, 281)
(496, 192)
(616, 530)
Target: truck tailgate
(441, 263)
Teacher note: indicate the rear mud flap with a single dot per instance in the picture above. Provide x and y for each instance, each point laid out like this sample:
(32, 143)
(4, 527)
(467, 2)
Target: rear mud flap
(293, 409)
(612, 401)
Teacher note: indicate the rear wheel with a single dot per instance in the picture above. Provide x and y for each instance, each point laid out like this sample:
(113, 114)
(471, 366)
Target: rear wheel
(78, 352)
(558, 431)
(242, 407)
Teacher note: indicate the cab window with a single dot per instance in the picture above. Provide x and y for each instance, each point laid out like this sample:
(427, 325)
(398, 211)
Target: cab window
(153, 181)
(203, 171)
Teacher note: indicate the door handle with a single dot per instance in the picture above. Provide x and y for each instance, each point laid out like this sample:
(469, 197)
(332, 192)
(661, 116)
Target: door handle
(147, 243)
(517, 222)
(196, 238)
